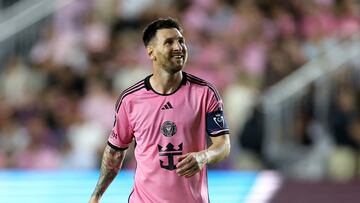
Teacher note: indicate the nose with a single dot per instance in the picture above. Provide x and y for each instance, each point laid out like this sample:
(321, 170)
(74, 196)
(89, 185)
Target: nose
(177, 46)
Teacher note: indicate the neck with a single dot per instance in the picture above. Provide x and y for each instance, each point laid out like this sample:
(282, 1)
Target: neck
(164, 82)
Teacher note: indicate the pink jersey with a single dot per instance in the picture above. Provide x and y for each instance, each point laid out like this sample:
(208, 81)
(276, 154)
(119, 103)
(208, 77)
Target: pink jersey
(165, 126)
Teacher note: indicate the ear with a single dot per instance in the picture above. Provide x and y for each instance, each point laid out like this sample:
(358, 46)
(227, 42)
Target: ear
(150, 52)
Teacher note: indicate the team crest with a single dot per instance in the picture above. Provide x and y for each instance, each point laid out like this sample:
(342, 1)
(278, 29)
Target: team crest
(168, 128)
(219, 120)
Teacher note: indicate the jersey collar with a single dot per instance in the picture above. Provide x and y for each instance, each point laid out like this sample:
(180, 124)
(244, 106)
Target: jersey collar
(149, 87)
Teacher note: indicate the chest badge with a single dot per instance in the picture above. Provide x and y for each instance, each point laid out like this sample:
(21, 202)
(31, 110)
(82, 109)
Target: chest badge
(168, 128)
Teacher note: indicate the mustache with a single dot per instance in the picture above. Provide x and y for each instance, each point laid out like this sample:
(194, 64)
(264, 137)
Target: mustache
(178, 54)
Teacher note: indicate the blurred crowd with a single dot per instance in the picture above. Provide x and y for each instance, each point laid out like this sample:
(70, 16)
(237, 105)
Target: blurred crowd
(57, 108)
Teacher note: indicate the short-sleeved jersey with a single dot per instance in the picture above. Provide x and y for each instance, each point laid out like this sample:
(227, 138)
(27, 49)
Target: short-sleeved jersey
(165, 126)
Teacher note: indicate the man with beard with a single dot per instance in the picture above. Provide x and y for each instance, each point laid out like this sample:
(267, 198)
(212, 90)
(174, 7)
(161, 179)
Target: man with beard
(169, 115)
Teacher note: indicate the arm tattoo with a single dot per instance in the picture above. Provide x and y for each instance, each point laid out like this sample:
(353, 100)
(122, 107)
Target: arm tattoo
(110, 166)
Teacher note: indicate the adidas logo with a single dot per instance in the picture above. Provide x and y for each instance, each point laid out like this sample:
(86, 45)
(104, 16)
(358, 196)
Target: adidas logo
(167, 106)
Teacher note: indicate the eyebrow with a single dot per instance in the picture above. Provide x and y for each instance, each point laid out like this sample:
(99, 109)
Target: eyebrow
(173, 38)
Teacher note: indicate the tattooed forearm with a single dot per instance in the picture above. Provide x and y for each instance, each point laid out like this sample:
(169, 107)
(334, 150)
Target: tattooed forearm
(110, 166)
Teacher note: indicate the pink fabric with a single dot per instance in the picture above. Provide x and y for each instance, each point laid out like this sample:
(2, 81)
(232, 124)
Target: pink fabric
(195, 18)
(96, 37)
(96, 107)
(286, 25)
(253, 57)
(141, 115)
(348, 25)
(322, 23)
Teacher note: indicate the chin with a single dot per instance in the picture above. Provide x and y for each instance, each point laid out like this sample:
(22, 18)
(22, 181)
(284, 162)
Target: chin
(177, 69)
(173, 68)
(173, 71)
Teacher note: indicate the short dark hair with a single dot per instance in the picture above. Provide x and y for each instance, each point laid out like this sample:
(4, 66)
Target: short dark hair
(161, 23)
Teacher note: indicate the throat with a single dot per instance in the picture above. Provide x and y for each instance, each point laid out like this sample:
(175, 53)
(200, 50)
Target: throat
(166, 84)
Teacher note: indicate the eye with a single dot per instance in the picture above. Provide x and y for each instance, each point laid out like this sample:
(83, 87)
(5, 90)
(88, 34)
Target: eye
(168, 42)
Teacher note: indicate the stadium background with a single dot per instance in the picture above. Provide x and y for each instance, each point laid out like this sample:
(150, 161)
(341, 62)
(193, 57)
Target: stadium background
(288, 72)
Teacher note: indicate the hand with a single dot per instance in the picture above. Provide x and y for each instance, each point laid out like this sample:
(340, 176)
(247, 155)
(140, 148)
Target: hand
(191, 163)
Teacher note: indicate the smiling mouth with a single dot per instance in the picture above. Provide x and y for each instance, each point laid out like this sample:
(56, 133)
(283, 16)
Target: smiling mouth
(178, 57)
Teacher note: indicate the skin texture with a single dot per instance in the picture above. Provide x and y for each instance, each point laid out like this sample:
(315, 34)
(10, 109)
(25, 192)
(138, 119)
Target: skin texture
(191, 163)
(110, 166)
(168, 53)
(163, 51)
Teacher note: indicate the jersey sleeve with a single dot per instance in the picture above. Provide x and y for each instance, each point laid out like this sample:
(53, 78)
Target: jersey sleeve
(216, 124)
(121, 134)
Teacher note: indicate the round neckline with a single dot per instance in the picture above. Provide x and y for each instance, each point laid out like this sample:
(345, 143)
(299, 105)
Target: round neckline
(149, 87)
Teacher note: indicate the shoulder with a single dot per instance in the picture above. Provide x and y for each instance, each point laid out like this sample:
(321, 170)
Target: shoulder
(201, 83)
(128, 93)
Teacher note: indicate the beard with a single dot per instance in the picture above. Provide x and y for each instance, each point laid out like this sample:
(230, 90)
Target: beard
(172, 64)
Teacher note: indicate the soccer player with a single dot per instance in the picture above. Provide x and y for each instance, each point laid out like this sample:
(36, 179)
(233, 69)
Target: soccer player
(169, 115)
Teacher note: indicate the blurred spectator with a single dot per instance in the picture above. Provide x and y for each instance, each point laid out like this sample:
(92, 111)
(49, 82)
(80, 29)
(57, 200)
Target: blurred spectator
(13, 137)
(250, 139)
(84, 143)
(344, 160)
(38, 154)
(15, 83)
(97, 104)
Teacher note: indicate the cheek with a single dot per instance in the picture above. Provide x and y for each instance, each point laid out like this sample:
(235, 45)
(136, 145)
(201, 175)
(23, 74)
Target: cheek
(161, 56)
(165, 54)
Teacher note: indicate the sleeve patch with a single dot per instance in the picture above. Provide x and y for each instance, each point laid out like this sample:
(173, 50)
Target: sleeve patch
(113, 135)
(216, 123)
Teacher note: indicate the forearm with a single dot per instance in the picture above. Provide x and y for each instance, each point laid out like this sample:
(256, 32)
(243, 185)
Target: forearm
(191, 163)
(219, 150)
(111, 163)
